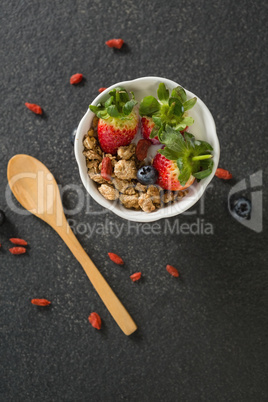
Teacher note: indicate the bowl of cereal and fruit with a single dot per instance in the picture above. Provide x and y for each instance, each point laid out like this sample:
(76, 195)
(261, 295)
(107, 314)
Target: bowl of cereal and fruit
(147, 149)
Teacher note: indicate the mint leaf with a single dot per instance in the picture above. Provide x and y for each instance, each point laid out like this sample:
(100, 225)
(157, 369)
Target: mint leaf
(163, 93)
(149, 105)
(189, 104)
(179, 93)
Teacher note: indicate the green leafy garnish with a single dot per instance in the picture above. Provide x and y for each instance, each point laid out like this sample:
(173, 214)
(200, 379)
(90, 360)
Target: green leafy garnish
(193, 157)
(167, 110)
(118, 105)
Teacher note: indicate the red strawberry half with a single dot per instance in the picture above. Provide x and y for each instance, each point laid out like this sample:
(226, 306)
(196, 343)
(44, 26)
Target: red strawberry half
(118, 120)
(168, 174)
(182, 160)
(147, 125)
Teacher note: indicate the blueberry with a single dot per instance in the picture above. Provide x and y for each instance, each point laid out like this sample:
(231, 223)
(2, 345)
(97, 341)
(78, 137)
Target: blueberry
(72, 136)
(147, 175)
(242, 208)
(2, 217)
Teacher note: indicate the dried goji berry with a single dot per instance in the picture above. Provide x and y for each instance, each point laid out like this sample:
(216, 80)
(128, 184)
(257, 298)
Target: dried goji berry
(41, 302)
(76, 78)
(95, 320)
(142, 149)
(17, 250)
(19, 242)
(135, 277)
(223, 174)
(117, 43)
(106, 168)
(172, 270)
(101, 89)
(34, 108)
(115, 258)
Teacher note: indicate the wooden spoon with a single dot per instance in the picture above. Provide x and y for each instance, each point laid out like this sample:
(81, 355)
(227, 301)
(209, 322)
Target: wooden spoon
(36, 189)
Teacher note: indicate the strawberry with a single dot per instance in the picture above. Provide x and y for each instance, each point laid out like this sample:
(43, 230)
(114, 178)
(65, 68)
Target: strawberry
(182, 160)
(168, 174)
(118, 120)
(166, 110)
(147, 125)
(113, 132)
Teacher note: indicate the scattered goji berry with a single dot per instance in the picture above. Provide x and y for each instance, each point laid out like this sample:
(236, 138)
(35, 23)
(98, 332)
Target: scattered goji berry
(19, 242)
(172, 270)
(95, 320)
(115, 258)
(135, 277)
(34, 108)
(41, 302)
(142, 149)
(101, 89)
(17, 250)
(223, 174)
(76, 78)
(106, 168)
(117, 43)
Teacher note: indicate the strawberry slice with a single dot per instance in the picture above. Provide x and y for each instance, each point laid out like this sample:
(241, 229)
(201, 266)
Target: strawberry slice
(118, 120)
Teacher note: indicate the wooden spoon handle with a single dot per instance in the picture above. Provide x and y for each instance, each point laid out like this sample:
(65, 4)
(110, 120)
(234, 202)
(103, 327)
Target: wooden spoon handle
(107, 295)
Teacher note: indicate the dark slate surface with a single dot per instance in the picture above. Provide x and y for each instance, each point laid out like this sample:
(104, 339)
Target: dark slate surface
(201, 337)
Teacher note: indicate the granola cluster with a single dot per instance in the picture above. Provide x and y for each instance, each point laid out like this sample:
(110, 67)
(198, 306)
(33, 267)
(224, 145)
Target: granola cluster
(123, 185)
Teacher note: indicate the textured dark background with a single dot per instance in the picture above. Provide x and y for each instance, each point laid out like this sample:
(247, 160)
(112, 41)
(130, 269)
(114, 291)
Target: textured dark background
(201, 337)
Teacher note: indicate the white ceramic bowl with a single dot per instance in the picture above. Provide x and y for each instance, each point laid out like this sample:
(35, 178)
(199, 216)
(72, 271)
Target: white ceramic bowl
(203, 129)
